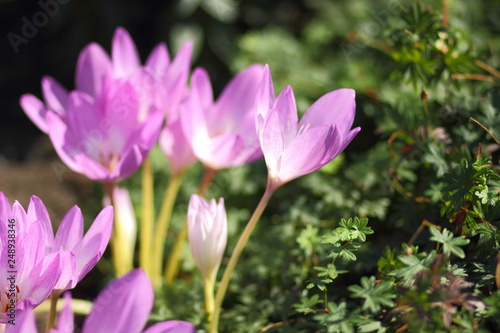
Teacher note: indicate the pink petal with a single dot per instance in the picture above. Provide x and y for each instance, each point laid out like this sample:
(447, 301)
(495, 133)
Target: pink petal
(5, 209)
(129, 162)
(70, 231)
(309, 152)
(219, 152)
(64, 142)
(158, 60)
(43, 284)
(287, 113)
(124, 54)
(69, 271)
(272, 141)
(38, 212)
(349, 138)
(85, 121)
(65, 318)
(92, 68)
(238, 97)
(179, 68)
(124, 306)
(35, 110)
(25, 322)
(337, 107)
(201, 88)
(55, 95)
(91, 168)
(95, 241)
(265, 93)
(176, 147)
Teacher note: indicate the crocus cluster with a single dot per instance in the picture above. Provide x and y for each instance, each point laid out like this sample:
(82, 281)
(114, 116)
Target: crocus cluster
(34, 263)
(123, 306)
(107, 125)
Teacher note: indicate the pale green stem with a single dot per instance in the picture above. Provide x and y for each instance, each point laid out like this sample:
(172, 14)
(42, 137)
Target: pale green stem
(173, 262)
(226, 277)
(54, 297)
(162, 226)
(208, 287)
(147, 217)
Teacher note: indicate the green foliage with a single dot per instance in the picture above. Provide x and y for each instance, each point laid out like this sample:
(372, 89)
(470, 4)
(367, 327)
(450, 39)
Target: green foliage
(375, 294)
(424, 170)
(450, 244)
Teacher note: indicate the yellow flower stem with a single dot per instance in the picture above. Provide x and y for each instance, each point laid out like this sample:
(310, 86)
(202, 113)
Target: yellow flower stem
(208, 287)
(119, 261)
(54, 297)
(226, 277)
(162, 226)
(147, 218)
(173, 262)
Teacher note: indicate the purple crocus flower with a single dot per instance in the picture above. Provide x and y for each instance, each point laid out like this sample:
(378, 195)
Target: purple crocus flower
(27, 273)
(124, 306)
(176, 146)
(84, 251)
(294, 148)
(222, 133)
(106, 127)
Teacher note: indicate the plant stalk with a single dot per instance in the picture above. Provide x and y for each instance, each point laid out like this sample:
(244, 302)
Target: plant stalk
(162, 226)
(226, 277)
(147, 218)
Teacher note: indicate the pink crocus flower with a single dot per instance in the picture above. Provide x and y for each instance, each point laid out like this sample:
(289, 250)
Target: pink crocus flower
(106, 127)
(176, 147)
(27, 273)
(124, 306)
(84, 250)
(222, 133)
(294, 148)
(207, 232)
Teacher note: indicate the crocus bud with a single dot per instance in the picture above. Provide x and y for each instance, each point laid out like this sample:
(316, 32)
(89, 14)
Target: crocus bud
(207, 232)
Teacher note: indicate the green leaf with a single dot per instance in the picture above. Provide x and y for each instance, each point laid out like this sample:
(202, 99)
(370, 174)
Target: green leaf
(450, 244)
(375, 295)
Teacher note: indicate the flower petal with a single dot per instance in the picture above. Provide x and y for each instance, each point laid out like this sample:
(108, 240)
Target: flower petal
(237, 99)
(272, 142)
(309, 152)
(65, 318)
(337, 107)
(176, 147)
(287, 113)
(158, 60)
(38, 212)
(124, 306)
(265, 94)
(92, 68)
(55, 95)
(124, 54)
(24, 322)
(95, 241)
(35, 110)
(70, 232)
(219, 152)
